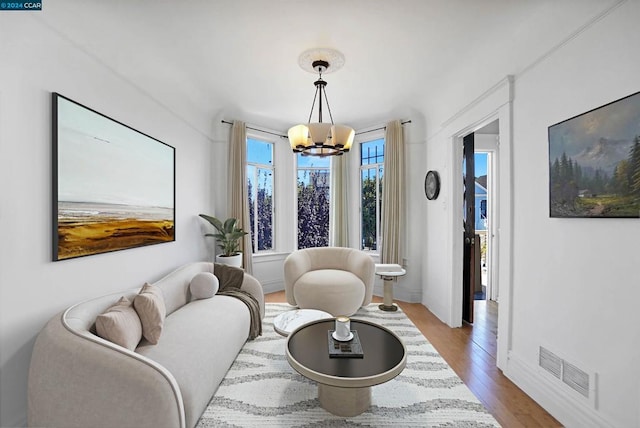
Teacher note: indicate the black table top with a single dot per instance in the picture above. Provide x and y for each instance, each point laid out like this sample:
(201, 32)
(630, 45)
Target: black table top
(383, 350)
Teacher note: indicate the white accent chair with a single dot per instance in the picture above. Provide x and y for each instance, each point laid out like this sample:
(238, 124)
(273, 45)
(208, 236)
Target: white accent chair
(332, 279)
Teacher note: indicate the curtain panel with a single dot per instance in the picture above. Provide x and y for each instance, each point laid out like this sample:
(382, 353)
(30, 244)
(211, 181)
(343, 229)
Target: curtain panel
(393, 194)
(339, 203)
(238, 191)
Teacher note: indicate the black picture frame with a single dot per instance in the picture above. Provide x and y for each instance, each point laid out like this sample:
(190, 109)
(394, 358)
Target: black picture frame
(432, 185)
(594, 162)
(113, 187)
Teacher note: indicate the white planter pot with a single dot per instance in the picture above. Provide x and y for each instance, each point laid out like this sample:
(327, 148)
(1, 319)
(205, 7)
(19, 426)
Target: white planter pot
(230, 260)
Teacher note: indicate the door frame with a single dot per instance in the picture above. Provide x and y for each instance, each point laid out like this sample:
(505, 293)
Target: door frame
(496, 103)
(491, 149)
(469, 262)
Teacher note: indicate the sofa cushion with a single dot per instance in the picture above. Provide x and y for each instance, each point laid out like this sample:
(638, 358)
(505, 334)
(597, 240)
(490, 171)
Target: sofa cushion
(149, 304)
(199, 343)
(204, 285)
(120, 324)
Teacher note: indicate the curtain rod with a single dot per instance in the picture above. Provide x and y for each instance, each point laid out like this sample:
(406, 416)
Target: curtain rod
(284, 136)
(257, 129)
(381, 128)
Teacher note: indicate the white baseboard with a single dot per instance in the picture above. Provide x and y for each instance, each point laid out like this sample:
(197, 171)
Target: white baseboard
(411, 296)
(272, 286)
(553, 395)
(18, 421)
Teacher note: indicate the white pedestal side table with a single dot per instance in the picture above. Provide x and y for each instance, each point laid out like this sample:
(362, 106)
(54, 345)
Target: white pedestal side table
(389, 273)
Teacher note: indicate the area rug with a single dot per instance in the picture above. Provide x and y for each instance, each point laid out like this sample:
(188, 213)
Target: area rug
(262, 390)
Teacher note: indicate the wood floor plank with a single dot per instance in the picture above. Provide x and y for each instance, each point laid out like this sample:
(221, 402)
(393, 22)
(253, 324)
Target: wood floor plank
(471, 354)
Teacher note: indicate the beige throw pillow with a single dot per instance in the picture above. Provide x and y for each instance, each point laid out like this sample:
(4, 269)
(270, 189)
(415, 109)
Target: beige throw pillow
(120, 324)
(151, 309)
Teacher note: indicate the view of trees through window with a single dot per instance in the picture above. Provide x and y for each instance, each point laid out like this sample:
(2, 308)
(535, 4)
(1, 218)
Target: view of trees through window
(313, 201)
(371, 174)
(260, 172)
(313, 196)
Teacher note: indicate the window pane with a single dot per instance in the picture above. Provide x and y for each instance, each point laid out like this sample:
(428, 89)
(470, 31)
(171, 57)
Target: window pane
(259, 152)
(368, 203)
(260, 174)
(251, 187)
(371, 167)
(313, 208)
(265, 209)
(372, 152)
(313, 161)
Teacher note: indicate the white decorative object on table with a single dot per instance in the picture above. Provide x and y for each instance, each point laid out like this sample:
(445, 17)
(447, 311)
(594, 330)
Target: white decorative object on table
(342, 331)
(389, 273)
(288, 321)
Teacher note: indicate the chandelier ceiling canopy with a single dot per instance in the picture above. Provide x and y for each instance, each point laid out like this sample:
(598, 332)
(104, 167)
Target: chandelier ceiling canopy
(319, 138)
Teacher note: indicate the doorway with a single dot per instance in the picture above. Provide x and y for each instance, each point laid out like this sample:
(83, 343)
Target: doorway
(494, 104)
(480, 305)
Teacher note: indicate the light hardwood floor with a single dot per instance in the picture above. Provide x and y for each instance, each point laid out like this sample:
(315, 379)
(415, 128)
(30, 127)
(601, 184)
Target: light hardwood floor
(470, 351)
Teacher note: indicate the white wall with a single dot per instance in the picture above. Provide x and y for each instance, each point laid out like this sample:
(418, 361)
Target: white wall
(407, 288)
(35, 62)
(575, 285)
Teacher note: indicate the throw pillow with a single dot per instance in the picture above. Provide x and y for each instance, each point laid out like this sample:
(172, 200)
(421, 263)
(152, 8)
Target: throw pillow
(204, 285)
(120, 324)
(149, 305)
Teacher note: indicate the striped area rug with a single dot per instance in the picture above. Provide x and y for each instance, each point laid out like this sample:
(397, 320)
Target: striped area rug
(262, 390)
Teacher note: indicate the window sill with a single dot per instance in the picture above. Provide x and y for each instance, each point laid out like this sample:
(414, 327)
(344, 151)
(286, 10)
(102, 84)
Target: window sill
(268, 256)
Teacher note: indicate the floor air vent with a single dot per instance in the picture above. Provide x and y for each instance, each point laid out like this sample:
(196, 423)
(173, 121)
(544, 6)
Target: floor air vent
(550, 362)
(572, 376)
(575, 378)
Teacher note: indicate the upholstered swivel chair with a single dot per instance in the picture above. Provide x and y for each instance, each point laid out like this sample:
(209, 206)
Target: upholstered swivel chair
(336, 280)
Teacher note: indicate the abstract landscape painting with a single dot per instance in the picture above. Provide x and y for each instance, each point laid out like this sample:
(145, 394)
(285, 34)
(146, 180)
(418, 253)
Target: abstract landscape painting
(113, 187)
(594, 162)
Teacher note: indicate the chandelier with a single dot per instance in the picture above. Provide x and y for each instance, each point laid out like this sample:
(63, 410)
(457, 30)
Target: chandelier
(318, 138)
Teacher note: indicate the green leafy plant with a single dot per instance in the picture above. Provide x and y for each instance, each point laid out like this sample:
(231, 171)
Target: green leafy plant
(228, 235)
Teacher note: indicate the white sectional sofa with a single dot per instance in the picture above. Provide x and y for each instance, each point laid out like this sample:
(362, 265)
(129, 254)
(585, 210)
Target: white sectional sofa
(78, 379)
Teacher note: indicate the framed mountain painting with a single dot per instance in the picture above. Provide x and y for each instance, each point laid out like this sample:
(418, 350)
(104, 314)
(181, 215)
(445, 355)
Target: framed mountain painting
(594, 162)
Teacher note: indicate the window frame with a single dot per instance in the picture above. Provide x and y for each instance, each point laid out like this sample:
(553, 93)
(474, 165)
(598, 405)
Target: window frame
(297, 169)
(258, 166)
(377, 167)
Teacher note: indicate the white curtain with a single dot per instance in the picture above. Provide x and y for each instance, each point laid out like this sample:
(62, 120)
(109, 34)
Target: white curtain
(393, 197)
(338, 214)
(238, 192)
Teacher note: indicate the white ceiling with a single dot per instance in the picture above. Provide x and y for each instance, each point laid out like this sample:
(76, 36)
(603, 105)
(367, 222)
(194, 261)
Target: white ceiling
(237, 59)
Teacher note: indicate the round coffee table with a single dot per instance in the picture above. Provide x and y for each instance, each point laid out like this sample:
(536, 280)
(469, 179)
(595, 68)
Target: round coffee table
(288, 321)
(344, 384)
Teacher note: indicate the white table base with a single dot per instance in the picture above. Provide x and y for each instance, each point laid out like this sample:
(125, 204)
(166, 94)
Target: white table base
(344, 401)
(387, 300)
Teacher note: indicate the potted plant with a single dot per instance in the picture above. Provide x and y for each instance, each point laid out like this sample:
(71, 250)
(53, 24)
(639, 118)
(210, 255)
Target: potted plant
(228, 237)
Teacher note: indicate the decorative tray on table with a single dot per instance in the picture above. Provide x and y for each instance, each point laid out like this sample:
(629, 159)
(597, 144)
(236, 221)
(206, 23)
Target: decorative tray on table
(346, 349)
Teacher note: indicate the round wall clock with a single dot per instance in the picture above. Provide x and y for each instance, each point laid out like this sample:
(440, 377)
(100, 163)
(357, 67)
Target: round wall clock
(432, 185)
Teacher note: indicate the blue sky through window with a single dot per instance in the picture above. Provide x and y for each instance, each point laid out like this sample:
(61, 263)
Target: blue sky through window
(313, 161)
(259, 152)
(372, 152)
(480, 164)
